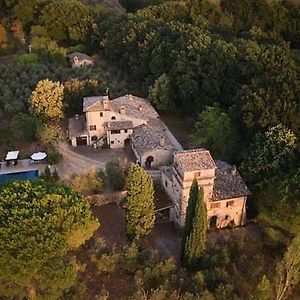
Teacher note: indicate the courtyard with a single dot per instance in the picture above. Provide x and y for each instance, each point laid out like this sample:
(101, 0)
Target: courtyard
(79, 159)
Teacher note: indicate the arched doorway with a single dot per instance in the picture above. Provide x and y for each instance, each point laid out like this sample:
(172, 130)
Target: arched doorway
(149, 161)
(213, 222)
(127, 143)
(94, 138)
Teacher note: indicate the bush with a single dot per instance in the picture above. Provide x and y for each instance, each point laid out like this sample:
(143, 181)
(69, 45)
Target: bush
(54, 156)
(27, 59)
(6, 49)
(77, 48)
(114, 176)
(87, 183)
(51, 134)
(49, 49)
(156, 275)
(131, 257)
(106, 263)
(39, 31)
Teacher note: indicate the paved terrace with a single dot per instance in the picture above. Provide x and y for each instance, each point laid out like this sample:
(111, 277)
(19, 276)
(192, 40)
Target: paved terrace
(22, 166)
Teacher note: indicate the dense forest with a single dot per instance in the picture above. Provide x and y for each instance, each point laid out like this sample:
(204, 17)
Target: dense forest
(230, 69)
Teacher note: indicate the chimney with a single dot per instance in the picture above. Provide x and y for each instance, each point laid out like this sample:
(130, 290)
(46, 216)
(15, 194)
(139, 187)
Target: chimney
(122, 110)
(233, 170)
(161, 141)
(105, 102)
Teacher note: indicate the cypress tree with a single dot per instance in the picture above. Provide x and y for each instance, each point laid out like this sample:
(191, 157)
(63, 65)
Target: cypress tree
(190, 213)
(140, 205)
(196, 227)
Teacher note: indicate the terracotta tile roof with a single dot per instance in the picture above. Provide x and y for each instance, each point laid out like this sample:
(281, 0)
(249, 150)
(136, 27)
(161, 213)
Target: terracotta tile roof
(93, 103)
(117, 125)
(193, 160)
(134, 107)
(80, 56)
(228, 183)
(77, 126)
(147, 137)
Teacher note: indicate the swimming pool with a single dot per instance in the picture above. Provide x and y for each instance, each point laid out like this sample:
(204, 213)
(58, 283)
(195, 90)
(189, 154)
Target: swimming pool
(24, 175)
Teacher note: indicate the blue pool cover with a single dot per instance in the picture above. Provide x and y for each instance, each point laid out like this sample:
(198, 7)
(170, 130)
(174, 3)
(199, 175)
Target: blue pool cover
(24, 175)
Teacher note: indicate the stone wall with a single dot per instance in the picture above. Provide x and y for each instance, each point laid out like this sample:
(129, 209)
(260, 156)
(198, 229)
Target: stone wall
(102, 199)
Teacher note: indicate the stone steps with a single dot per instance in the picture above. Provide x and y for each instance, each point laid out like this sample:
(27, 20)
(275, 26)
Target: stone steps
(155, 174)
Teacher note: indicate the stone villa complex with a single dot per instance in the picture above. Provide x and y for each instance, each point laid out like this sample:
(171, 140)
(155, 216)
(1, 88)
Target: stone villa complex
(132, 120)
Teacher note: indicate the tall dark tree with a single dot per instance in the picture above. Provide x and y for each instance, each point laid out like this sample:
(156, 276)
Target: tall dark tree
(140, 206)
(194, 237)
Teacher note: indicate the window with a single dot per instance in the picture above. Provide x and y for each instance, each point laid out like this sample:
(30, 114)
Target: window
(101, 114)
(93, 127)
(166, 184)
(113, 117)
(112, 142)
(226, 217)
(115, 131)
(125, 130)
(230, 203)
(197, 174)
(215, 205)
(94, 138)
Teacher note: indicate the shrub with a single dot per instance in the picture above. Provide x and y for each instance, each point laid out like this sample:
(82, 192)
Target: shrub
(54, 156)
(114, 176)
(87, 183)
(106, 263)
(39, 31)
(26, 59)
(154, 276)
(49, 49)
(50, 134)
(78, 48)
(131, 257)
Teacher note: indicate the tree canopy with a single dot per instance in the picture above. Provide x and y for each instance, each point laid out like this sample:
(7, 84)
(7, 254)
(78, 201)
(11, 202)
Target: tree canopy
(40, 223)
(215, 131)
(66, 20)
(47, 100)
(271, 153)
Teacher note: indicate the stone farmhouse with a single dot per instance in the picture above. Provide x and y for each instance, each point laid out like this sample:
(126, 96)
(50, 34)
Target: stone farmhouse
(132, 121)
(127, 119)
(78, 59)
(224, 190)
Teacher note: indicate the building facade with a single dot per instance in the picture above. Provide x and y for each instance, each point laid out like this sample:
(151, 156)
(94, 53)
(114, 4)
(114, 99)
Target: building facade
(125, 119)
(224, 191)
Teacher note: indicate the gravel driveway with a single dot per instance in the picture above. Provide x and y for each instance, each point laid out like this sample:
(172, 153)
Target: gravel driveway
(80, 159)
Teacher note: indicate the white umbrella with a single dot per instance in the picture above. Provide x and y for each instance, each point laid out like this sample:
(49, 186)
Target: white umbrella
(38, 156)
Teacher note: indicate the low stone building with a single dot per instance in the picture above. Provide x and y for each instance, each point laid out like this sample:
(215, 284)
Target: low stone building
(78, 59)
(118, 132)
(125, 119)
(225, 192)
